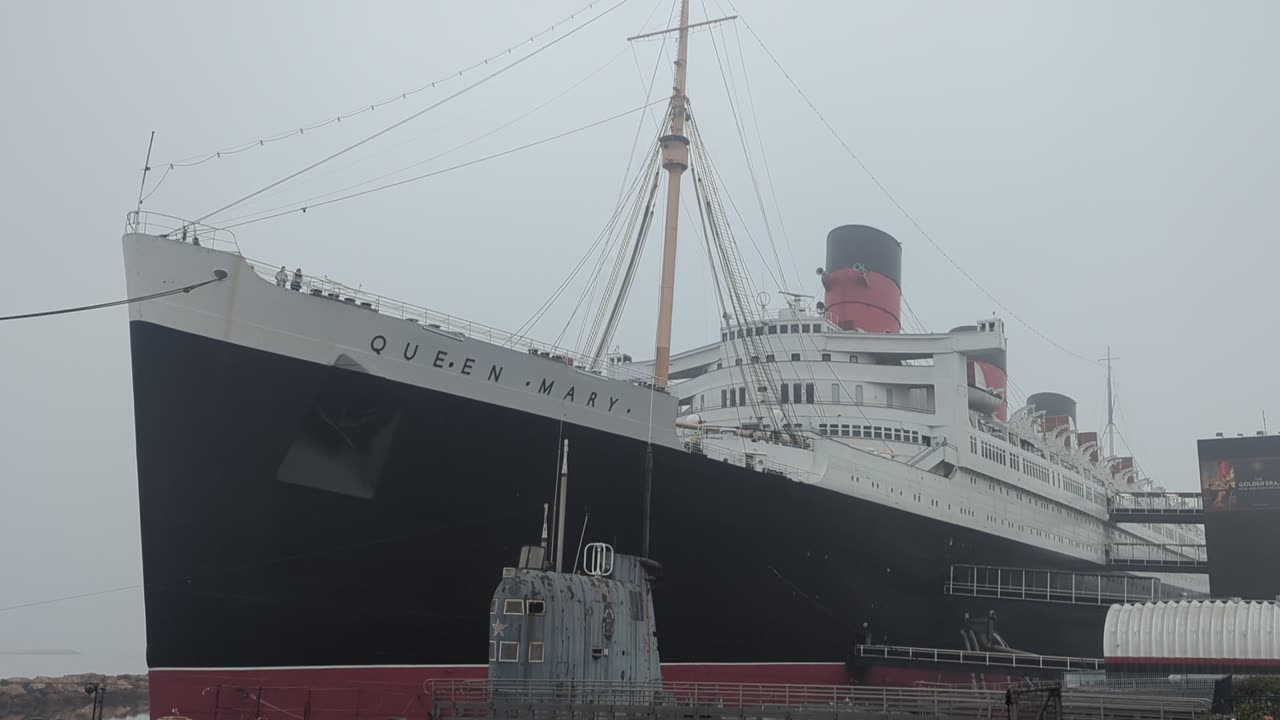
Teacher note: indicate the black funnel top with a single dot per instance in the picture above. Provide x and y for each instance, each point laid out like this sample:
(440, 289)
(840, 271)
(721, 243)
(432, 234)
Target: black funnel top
(1053, 404)
(859, 245)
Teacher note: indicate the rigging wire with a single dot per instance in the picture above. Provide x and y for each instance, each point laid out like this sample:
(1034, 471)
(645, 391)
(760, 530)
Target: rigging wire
(438, 155)
(764, 157)
(201, 158)
(648, 89)
(605, 234)
(156, 187)
(417, 114)
(64, 598)
(442, 171)
(218, 275)
(900, 207)
(715, 176)
(731, 96)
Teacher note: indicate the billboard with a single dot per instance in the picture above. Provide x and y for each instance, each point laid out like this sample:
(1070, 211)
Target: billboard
(1239, 482)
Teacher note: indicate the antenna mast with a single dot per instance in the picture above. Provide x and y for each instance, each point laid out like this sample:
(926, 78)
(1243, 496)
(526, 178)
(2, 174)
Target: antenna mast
(1111, 420)
(675, 160)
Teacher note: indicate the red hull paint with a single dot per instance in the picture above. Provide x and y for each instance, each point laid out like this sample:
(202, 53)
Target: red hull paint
(886, 676)
(864, 300)
(329, 693)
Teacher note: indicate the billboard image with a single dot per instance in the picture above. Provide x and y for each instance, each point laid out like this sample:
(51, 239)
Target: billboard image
(1240, 483)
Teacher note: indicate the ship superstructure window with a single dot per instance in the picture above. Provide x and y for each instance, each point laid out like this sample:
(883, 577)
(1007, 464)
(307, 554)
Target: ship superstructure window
(795, 327)
(835, 392)
(737, 361)
(857, 394)
(508, 651)
(795, 357)
(853, 358)
(769, 358)
(782, 329)
(755, 358)
(493, 606)
(826, 357)
(808, 393)
(511, 606)
(786, 393)
(773, 329)
(537, 607)
(535, 652)
(742, 396)
(724, 398)
(795, 392)
(493, 651)
(806, 327)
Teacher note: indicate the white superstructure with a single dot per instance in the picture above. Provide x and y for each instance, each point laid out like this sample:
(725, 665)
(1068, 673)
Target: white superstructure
(892, 417)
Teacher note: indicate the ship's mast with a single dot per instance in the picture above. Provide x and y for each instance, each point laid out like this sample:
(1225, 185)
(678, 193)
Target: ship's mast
(675, 160)
(1111, 420)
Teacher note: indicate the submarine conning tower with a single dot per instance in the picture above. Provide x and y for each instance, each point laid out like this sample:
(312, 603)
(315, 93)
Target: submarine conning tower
(863, 279)
(594, 626)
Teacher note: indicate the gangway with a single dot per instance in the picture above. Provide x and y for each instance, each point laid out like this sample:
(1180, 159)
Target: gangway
(1168, 557)
(1181, 508)
(1056, 586)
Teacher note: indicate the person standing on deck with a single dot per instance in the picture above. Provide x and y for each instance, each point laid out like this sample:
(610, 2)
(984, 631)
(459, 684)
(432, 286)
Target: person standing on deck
(282, 277)
(296, 285)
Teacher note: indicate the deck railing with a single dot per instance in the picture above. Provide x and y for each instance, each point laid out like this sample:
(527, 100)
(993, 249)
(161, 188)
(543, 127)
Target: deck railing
(977, 657)
(325, 288)
(564, 700)
(1051, 585)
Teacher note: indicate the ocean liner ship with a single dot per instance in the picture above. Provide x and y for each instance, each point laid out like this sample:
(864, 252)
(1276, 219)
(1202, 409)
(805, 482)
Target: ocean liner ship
(330, 481)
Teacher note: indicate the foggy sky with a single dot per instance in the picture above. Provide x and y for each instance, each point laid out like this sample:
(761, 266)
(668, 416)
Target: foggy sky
(1107, 170)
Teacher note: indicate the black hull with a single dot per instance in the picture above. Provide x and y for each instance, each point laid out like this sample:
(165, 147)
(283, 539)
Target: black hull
(395, 561)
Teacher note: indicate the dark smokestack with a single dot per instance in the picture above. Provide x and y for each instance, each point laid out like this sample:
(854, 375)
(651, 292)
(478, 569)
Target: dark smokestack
(863, 279)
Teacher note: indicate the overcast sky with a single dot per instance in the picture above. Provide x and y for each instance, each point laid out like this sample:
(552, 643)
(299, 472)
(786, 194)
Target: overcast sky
(1107, 170)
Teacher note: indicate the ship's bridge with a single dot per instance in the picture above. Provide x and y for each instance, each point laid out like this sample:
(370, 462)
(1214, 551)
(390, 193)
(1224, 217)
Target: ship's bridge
(798, 371)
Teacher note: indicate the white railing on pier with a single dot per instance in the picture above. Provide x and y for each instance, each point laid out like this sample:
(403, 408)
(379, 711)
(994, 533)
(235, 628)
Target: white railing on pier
(461, 698)
(326, 288)
(568, 700)
(1157, 554)
(977, 657)
(1151, 503)
(1051, 585)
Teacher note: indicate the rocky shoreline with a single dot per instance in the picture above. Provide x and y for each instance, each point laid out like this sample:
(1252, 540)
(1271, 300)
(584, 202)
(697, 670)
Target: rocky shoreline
(65, 698)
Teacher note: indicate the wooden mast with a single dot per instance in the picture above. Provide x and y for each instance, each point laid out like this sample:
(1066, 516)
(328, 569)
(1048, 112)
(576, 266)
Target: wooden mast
(675, 160)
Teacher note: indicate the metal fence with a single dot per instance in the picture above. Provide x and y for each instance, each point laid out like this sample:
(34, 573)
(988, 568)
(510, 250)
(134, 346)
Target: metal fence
(555, 700)
(1051, 585)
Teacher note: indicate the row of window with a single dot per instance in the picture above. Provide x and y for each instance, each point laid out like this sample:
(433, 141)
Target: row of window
(995, 519)
(788, 393)
(509, 651)
(516, 606)
(1033, 469)
(782, 329)
(795, 357)
(874, 432)
(1077, 516)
